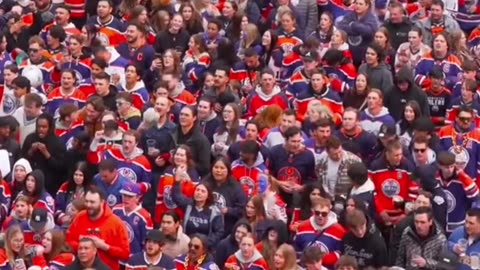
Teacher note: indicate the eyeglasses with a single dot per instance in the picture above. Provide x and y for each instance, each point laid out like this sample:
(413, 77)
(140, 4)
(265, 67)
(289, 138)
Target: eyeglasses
(196, 247)
(419, 150)
(33, 50)
(320, 213)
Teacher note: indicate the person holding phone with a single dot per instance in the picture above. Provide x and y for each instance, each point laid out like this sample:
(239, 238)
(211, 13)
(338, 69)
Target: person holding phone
(16, 255)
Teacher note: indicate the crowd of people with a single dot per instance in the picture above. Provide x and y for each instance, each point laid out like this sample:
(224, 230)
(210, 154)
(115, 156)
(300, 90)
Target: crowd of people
(239, 134)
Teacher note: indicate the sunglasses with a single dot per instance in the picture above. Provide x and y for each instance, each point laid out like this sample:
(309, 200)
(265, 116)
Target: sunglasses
(465, 119)
(195, 247)
(320, 213)
(33, 50)
(419, 150)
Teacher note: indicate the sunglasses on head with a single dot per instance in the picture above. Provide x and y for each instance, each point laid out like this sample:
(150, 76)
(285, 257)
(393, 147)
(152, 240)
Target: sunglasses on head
(419, 150)
(196, 247)
(320, 213)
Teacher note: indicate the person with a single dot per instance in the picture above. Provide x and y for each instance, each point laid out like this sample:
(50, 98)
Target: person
(362, 186)
(183, 168)
(152, 254)
(404, 91)
(230, 244)
(312, 258)
(15, 252)
(332, 165)
(36, 191)
(422, 244)
(293, 165)
(364, 241)
(247, 255)
(87, 256)
(437, 22)
(7, 143)
(135, 218)
(201, 214)
(321, 229)
(73, 188)
(39, 223)
(56, 252)
(20, 214)
(469, 234)
(249, 168)
(99, 224)
(459, 188)
(228, 194)
(176, 241)
(377, 71)
(196, 256)
(285, 258)
(397, 180)
(110, 181)
(188, 133)
(45, 151)
(275, 236)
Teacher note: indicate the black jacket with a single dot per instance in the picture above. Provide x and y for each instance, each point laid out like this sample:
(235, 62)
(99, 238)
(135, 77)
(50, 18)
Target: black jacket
(199, 145)
(395, 100)
(166, 40)
(229, 245)
(53, 168)
(398, 32)
(110, 99)
(370, 251)
(97, 264)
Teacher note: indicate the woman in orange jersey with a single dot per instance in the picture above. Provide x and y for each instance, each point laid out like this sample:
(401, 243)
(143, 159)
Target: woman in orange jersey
(288, 36)
(183, 167)
(57, 254)
(248, 257)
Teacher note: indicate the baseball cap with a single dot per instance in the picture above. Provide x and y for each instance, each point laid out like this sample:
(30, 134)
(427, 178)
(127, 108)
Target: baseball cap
(387, 130)
(130, 189)
(155, 235)
(311, 56)
(39, 218)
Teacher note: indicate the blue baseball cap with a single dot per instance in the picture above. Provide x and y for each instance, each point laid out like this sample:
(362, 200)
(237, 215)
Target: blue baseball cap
(131, 189)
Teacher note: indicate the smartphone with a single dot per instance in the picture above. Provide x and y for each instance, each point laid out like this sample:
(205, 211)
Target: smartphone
(158, 55)
(20, 264)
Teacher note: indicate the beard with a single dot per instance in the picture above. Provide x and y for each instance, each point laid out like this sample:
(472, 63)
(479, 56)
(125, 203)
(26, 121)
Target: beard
(94, 212)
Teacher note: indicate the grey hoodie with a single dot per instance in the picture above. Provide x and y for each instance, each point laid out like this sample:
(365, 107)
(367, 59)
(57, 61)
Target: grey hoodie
(378, 77)
(256, 256)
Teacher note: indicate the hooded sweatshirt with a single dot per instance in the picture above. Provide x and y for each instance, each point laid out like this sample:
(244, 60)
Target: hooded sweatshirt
(256, 262)
(372, 123)
(378, 77)
(139, 93)
(53, 167)
(249, 176)
(229, 245)
(43, 198)
(17, 186)
(107, 227)
(396, 99)
(328, 236)
(258, 100)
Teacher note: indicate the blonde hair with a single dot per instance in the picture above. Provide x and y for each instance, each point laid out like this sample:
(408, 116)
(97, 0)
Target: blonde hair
(251, 35)
(289, 255)
(322, 110)
(9, 234)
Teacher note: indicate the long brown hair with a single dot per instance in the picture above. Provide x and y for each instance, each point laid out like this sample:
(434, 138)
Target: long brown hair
(58, 245)
(260, 212)
(233, 131)
(188, 154)
(289, 256)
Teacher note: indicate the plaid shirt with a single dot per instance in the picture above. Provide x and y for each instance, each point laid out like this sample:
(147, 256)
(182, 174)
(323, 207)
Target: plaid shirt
(343, 184)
